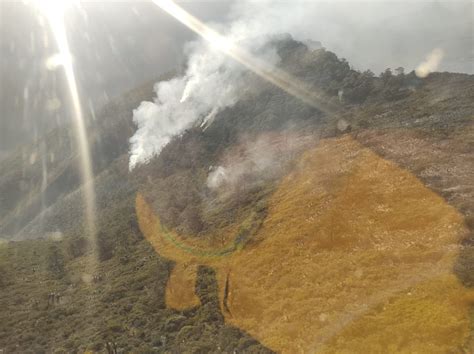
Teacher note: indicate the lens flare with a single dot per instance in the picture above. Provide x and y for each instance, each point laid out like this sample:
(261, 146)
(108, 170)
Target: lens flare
(280, 78)
(54, 11)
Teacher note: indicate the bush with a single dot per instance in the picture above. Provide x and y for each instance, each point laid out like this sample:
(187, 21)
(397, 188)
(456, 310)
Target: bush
(114, 326)
(4, 277)
(105, 247)
(77, 246)
(55, 261)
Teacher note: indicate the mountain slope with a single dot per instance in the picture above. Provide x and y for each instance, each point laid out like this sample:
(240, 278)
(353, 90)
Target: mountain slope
(243, 196)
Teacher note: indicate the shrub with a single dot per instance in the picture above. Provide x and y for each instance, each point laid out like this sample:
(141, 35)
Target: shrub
(4, 277)
(114, 326)
(77, 246)
(55, 261)
(105, 247)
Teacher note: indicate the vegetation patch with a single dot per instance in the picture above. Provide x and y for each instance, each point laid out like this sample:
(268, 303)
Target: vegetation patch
(346, 233)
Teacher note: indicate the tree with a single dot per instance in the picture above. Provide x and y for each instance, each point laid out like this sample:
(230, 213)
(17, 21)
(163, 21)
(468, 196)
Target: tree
(191, 220)
(4, 277)
(400, 71)
(77, 246)
(386, 75)
(105, 246)
(55, 261)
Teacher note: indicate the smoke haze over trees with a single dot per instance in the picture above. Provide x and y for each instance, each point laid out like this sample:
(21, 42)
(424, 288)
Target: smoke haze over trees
(137, 42)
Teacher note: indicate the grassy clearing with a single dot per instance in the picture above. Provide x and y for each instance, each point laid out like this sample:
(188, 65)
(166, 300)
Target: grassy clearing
(347, 235)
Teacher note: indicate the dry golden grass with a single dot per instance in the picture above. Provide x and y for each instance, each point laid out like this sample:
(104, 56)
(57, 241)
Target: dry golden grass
(180, 293)
(428, 318)
(355, 255)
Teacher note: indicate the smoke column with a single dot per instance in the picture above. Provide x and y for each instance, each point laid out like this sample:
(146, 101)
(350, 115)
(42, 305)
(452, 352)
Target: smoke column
(213, 82)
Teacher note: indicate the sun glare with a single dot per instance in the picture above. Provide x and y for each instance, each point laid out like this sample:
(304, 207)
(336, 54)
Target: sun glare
(276, 76)
(53, 9)
(54, 12)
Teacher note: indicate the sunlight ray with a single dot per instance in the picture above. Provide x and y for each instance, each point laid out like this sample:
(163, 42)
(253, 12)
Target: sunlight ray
(278, 77)
(54, 10)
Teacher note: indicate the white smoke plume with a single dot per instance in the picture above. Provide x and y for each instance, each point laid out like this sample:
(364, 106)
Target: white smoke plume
(209, 85)
(430, 64)
(217, 177)
(254, 159)
(350, 28)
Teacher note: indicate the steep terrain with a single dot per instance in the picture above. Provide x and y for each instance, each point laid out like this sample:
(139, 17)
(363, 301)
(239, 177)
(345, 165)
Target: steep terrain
(36, 178)
(347, 237)
(277, 227)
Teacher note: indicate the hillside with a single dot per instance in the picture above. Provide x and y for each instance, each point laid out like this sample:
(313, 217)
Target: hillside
(35, 178)
(277, 227)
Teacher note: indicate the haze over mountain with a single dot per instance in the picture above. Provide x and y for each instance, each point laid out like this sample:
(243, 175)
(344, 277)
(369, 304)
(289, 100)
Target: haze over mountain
(118, 46)
(228, 196)
(239, 216)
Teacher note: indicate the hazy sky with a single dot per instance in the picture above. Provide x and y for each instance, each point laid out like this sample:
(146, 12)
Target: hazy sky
(117, 45)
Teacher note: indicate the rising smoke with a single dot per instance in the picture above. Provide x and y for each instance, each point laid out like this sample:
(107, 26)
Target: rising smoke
(256, 159)
(209, 84)
(351, 29)
(212, 81)
(431, 63)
